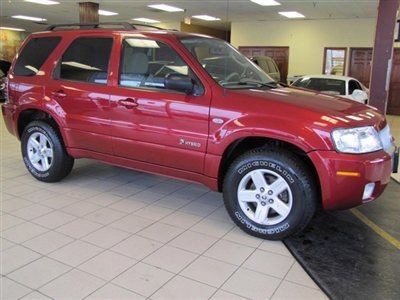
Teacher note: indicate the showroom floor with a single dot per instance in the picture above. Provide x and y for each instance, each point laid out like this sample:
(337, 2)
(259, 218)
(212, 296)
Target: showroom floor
(105, 232)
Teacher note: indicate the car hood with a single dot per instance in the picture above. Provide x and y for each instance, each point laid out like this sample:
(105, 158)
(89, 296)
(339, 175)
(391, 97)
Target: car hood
(313, 106)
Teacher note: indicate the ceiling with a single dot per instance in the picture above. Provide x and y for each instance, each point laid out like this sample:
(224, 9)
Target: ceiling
(227, 10)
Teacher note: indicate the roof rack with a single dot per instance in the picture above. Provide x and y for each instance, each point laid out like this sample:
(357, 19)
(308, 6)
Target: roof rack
(125, 25)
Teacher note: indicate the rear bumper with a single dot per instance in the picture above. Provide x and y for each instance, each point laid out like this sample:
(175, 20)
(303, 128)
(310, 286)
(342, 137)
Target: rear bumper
(8, 112)
(343, 177)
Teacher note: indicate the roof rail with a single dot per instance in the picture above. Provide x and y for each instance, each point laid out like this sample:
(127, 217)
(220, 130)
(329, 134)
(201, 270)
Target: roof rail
(125, 25)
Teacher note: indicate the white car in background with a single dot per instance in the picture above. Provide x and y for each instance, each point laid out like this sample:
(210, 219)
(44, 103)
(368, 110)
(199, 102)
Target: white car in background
(344, 86)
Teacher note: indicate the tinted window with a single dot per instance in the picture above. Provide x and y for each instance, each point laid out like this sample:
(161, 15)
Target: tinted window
(86, 59)
(145, 63)
(354, 85)
(34, 55)
(326, 85)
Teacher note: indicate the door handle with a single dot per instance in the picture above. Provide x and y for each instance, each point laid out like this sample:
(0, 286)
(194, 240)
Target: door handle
(128, 103)
(59, 94)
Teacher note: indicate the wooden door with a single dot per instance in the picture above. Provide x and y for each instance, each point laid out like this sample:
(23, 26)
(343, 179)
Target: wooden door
(279, 54)
(360, 64)
(393, 106)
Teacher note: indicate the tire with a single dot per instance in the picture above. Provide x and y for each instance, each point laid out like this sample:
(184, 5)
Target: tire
(289, 188)
(38, 142)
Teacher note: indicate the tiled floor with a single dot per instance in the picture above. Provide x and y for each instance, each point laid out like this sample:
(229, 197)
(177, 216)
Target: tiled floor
(394, 123)
(109, 233)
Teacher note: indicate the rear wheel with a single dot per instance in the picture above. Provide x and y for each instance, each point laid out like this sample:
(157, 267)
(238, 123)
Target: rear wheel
(269, 193)
(44, 153)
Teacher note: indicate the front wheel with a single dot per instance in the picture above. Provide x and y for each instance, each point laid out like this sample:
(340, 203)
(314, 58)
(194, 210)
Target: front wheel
(44, 153)
(269, 193)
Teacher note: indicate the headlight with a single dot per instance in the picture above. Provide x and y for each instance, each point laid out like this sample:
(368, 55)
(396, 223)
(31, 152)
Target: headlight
(356, 140)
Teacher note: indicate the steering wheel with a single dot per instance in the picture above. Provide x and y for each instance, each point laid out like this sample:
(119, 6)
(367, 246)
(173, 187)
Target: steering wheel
(232, 76)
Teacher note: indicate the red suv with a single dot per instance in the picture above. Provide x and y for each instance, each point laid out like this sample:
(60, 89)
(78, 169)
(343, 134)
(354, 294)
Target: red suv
(192, 107)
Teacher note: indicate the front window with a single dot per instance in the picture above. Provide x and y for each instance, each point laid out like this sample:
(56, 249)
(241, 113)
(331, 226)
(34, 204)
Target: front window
(325, 85)
(145, 63)
(227, 66)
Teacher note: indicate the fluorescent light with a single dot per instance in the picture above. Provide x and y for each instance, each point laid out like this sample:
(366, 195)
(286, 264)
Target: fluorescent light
(11, 28)
(291, 14)
(107, 13)
(146, 20)
(266, 2)
(206, 18)
(44, 2)
(29, 18)
(165, 7)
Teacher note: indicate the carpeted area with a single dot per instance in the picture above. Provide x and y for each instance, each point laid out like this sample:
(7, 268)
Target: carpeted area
(347, 258)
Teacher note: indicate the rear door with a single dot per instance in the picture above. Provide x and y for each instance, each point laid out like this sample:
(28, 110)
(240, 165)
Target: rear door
(79, 86)
(150, 123)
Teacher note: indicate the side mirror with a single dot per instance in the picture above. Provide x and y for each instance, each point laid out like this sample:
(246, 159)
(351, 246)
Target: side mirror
(359, 95)
(178, 82)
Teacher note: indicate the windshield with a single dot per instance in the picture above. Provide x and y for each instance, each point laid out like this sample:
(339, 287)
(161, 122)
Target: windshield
(326, 85)
(225, 64)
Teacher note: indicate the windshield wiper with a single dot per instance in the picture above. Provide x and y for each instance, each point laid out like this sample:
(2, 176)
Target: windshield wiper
(271, 84)
(252, 83)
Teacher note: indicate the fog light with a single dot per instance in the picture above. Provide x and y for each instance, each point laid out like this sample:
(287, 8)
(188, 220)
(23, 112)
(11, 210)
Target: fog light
(368, 190)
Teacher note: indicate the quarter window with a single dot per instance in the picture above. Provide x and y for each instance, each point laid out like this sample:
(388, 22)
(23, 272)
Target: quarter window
(354, 85)
(34, 55)
(86, 60)
(145, 63)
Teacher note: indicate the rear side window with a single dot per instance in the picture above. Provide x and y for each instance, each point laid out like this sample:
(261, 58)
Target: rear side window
(34, 54)
(86, 60)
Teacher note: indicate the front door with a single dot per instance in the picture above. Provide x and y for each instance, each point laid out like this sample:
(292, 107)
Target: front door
(394, 91)
(150, 123)
(79, 87)
(360, 68)
(360, 64)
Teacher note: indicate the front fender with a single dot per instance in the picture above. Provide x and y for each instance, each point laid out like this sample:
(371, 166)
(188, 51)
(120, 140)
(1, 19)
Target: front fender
(303, 136)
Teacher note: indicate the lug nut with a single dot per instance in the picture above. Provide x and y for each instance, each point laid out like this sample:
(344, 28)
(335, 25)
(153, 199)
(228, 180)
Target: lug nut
(270, 192)
(258, 196)
(262, 190)
(271, 201)
(263, 203)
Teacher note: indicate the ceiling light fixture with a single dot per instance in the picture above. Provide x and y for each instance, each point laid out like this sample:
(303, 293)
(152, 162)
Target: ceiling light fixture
(107, 13)
(146, 20)
(292, 14)
(266, 2)
(22, 17)
(11, 28)
(206, 18)
(165, 7)
(43, 2)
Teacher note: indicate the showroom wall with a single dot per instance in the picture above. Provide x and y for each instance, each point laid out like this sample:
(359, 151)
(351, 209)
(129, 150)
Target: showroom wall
(306, 38)
(10, 42)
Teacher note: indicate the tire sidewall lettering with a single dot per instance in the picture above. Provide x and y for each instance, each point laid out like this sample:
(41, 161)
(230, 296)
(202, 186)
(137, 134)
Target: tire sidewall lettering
(25, 157)
(250, 166)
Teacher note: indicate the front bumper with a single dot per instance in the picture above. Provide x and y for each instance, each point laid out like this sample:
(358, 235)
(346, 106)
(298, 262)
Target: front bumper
(343, 177)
